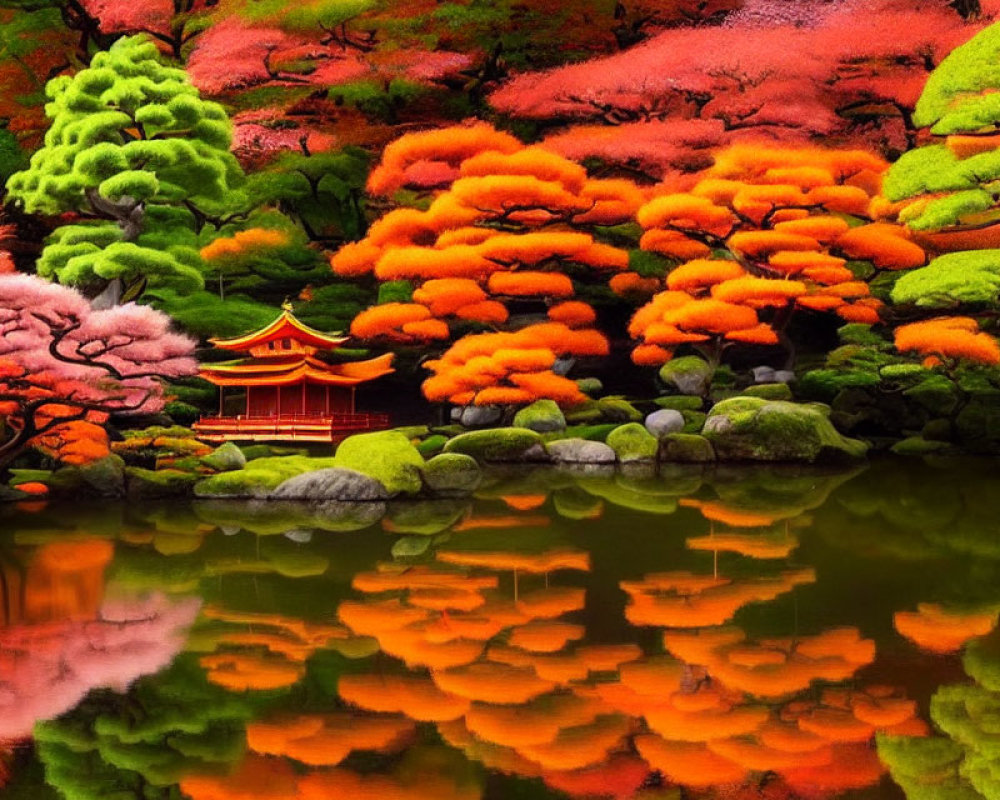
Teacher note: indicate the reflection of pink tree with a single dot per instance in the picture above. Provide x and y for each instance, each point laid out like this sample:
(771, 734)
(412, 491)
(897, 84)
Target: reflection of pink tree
(47, 669)
(62, 362)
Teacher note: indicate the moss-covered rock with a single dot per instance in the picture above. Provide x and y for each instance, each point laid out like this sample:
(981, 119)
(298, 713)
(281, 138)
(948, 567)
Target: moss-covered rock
(918, 446)
(936, 393)
(542, 416)
(693, 421)
(387, 456)
(432, 445)
(618, 409)
(769, 391)
(687, 375)
(754, 429)
(452, 474)
(590, 386)
(680, 402)
(225, 457)
(632, 442)
(494, 444)
(104, 478)
(585, 413)
(143, 484)
(412, 432)
(686, 448)
(259, 477)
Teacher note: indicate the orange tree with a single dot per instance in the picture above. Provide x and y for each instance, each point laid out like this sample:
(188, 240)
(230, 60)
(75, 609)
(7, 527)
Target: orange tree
(504, 234)
(763, 233)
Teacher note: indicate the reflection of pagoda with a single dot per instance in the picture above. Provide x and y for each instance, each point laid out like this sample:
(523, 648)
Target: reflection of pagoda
(290, 393)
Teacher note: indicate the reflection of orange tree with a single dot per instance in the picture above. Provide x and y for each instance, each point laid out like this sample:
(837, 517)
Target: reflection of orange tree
(501, 669)
(940, 630)
(248, 650)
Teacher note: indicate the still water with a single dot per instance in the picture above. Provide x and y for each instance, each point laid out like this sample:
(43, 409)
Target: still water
(760, 633)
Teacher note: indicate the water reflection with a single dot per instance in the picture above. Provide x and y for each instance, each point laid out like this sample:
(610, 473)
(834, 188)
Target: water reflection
(564, 633)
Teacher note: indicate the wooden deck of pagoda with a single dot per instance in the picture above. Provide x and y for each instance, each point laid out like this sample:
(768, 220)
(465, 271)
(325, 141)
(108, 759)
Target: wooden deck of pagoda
(288, 427)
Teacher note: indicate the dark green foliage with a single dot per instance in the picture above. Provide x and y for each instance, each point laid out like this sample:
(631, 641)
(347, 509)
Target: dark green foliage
(323, 192)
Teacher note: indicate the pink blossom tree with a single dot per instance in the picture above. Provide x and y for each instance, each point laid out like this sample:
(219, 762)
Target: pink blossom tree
(63, 362)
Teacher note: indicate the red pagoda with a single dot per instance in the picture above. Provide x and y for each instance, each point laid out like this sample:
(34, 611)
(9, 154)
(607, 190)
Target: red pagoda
(291, 394)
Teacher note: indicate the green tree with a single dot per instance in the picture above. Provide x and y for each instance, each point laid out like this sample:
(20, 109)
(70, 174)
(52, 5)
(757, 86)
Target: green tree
(952, 181)
(142, 161)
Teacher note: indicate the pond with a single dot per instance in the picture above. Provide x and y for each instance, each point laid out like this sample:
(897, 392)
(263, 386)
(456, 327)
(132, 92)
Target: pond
(730, 633)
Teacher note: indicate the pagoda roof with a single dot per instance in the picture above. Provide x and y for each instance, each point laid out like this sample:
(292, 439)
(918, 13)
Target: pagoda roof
(286, 326)
(287, 372)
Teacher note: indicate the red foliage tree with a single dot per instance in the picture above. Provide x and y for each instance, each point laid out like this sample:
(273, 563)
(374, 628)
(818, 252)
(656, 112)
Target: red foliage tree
(64, 367)
(790, 72)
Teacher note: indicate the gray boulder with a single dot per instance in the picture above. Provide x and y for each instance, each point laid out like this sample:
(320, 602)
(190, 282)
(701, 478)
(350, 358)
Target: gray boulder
(333, 483)
(664, 421)
(480, 416)
(580, 451)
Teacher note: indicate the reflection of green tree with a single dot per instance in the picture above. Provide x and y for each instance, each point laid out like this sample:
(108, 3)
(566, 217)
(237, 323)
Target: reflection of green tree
(140, 743)
(964, 762)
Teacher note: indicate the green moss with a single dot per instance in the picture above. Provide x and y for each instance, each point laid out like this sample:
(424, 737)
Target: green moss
(452, 473)
(825, 384)
(680, 402)
(694, 421)
(225, 457)
(937, 394)
(618, 409)
(917, 446)
(387, 456)
(632, 442)
(147, 483)
(432, 445)
(494, 444)
(769, 391)
(104, 478)
(686, 448)
(412, 432)
(592, 433)
(259, 477)
(19, 476)
(543, 416)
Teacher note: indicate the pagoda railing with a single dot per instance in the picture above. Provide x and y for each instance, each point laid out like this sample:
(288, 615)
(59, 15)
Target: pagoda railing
(288, 427)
